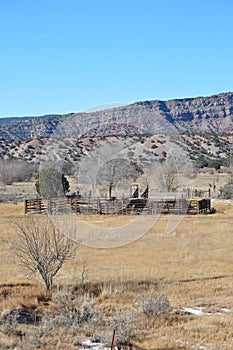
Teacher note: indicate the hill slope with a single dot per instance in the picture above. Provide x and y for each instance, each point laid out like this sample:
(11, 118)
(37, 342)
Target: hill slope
(212, 114)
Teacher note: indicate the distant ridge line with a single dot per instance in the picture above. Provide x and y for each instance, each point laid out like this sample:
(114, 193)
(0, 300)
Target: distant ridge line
(213, 114)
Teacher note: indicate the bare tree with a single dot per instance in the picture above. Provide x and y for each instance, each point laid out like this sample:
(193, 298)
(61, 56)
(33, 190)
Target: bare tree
(230, 170)
(41, 247)
(117, 171)
(168, 176)
(14, 170)
(171, 180)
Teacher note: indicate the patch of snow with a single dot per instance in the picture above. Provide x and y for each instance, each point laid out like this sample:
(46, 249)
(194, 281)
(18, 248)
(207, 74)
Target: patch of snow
(197, 312)
(226, 310)
(87, 344)
(213, 314)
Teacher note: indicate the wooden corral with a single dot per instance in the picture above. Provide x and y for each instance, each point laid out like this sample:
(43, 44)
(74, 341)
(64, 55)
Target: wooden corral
(131, 206)
(139, 202)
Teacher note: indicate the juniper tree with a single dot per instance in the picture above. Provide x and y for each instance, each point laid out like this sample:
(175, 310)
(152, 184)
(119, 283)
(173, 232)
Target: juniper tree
(51, 184)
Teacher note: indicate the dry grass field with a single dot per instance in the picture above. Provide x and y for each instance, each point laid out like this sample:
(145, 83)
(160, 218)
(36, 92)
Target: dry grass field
(192, 267)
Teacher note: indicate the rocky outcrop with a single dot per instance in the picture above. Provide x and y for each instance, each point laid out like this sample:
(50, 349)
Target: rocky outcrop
(212, 114)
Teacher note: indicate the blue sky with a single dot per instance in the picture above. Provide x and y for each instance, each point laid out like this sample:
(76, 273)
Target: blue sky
(66, 56)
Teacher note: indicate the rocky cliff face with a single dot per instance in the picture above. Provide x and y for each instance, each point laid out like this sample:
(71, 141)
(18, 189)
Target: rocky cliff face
(212, 114)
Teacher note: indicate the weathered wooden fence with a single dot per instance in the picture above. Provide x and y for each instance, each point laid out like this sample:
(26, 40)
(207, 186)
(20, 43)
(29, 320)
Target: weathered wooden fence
(118, 206)
(52, 206)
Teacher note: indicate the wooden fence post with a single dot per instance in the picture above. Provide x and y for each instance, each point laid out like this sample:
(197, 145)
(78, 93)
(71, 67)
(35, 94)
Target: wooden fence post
(113, 337)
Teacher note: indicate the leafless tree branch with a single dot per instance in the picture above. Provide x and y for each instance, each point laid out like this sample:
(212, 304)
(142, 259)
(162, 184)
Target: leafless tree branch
(41, 247)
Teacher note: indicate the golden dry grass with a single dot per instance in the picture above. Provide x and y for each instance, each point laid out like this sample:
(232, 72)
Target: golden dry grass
(193, 267)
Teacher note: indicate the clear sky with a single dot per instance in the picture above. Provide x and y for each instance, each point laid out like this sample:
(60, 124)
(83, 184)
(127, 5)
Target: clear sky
(60, 56)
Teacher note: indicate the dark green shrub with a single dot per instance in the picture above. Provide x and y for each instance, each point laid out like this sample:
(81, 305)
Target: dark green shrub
(51, 183)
